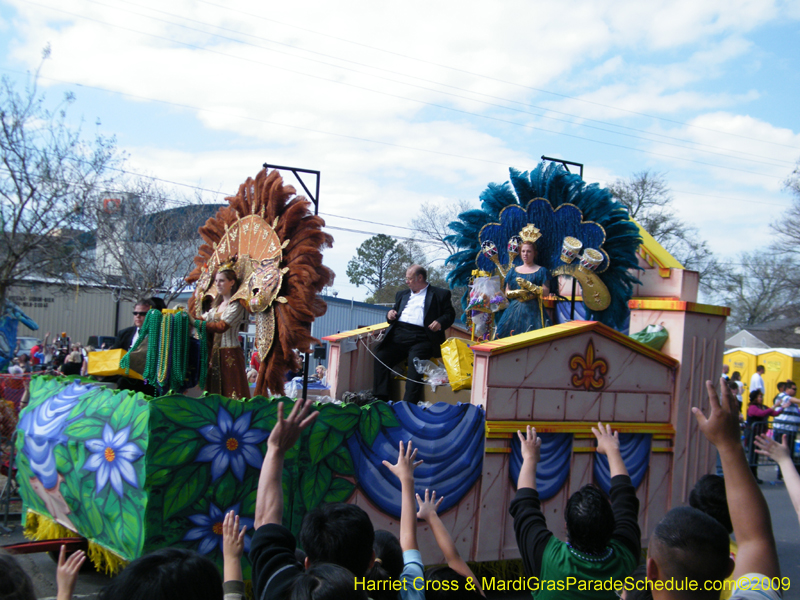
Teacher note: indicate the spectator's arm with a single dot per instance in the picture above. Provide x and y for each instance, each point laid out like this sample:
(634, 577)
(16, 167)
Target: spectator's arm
(530, 446)
(608, 444)
(750, 516)
(427, 512)
(67, 572)
(780, 454)
(269, 497)
(232, 547)
(404, 471)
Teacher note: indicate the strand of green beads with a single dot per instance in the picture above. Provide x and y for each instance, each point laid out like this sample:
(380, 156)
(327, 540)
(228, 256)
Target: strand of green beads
(202, 334)
(153, 332)
(180, 351)
(163, 355)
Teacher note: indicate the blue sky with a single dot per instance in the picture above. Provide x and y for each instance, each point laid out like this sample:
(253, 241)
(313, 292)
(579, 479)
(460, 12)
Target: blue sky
(400, 104)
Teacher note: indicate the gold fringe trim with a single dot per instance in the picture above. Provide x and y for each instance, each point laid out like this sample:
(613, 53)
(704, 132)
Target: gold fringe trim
(106, 560)
(39, 527)
(500, 569)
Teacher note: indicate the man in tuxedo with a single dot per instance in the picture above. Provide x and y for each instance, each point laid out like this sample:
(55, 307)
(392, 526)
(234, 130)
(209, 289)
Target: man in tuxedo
(418, 321)
(126, 338)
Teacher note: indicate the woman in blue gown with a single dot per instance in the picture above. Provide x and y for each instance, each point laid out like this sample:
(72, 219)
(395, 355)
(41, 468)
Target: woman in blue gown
(526, 285)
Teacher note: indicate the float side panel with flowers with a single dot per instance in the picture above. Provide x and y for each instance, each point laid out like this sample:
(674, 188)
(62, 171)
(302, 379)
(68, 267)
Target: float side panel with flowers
(133, 474)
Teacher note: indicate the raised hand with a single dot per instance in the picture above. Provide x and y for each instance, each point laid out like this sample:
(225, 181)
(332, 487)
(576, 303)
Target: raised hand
(406, 462)
(428, 507)
(530, 444)
(607, 440)
(287, 431)
(721, 427)
(67, 572)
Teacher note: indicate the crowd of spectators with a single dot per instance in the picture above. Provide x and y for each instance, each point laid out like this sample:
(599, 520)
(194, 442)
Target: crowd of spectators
(59, 356)
(691, 553)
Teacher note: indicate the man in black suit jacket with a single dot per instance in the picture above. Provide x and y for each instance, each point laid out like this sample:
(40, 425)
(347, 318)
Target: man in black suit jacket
(125, 337)
(420, 316)
(125, 340)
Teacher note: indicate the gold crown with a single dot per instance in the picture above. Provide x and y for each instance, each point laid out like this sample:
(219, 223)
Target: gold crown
(530, 233)
(229, 265)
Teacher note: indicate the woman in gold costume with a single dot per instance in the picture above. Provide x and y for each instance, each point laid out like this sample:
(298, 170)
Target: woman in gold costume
(227, 374)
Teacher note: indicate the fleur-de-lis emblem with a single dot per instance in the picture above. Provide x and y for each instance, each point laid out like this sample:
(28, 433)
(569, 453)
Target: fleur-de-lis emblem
(588, 370)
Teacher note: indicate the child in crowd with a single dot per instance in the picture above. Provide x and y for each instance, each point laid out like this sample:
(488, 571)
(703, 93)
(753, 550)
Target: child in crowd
(232, 551)
(457, 569)
(16, 585)
(67, 572)
(412, 575)
(781, 454)
(603, 539)
(167, 574)
(341, 534)
(388, 564)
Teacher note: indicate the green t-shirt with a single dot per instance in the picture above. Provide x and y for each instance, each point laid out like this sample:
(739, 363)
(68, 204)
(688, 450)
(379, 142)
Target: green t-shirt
(567, 572)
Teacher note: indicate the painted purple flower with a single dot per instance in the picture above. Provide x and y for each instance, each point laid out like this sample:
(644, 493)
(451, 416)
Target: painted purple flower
(112, 458)
(209, 529)
(231, 444)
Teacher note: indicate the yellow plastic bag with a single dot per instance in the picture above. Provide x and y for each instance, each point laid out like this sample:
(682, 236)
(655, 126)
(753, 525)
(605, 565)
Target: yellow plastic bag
(106, 363)
(457, 359)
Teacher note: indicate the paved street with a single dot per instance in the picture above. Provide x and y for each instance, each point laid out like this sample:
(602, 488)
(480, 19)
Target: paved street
(784, 523)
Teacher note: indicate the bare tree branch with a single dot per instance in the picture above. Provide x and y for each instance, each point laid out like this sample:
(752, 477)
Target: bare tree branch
(48, 175)
(649, 201)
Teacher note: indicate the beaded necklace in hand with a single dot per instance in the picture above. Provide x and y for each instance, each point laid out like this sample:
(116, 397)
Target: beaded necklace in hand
(150, 329)
(200, 327)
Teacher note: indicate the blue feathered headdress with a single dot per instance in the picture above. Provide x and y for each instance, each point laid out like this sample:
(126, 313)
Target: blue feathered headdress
(560, 204)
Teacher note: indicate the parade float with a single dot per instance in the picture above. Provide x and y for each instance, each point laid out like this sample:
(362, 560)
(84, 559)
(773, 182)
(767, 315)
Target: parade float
(133, 473)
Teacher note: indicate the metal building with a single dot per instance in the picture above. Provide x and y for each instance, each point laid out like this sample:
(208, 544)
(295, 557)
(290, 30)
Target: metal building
(79, 311)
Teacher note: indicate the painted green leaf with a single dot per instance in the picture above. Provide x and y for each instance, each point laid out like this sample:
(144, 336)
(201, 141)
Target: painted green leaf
(249, 504)
(131, 527)
(187, 485)
(340, 461)
(180, 447)
(341, 418)
(370, 424)
(139, 424)
(187, 412)
(63, 462)
(388, 418)
(112, 510)
(89, 505)
(225, 490)
(72, 484)
(87, 399)
(323, 441)
(68, 493)
(266, 415)
(122, 413)
(314, 484)
(159, 478)
(85, 429)
(104, 411)
(340, 490)
(235, 407)
(77, 454)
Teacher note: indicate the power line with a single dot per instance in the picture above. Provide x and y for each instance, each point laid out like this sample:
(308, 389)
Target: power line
(491, 78)
(363, 88)
(771, 161)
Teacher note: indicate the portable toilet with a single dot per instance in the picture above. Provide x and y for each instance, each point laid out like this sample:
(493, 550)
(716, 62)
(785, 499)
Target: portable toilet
(780, 364)
(744, 360)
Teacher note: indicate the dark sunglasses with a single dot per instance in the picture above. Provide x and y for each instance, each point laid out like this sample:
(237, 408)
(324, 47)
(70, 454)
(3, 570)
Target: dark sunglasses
(139, 314)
